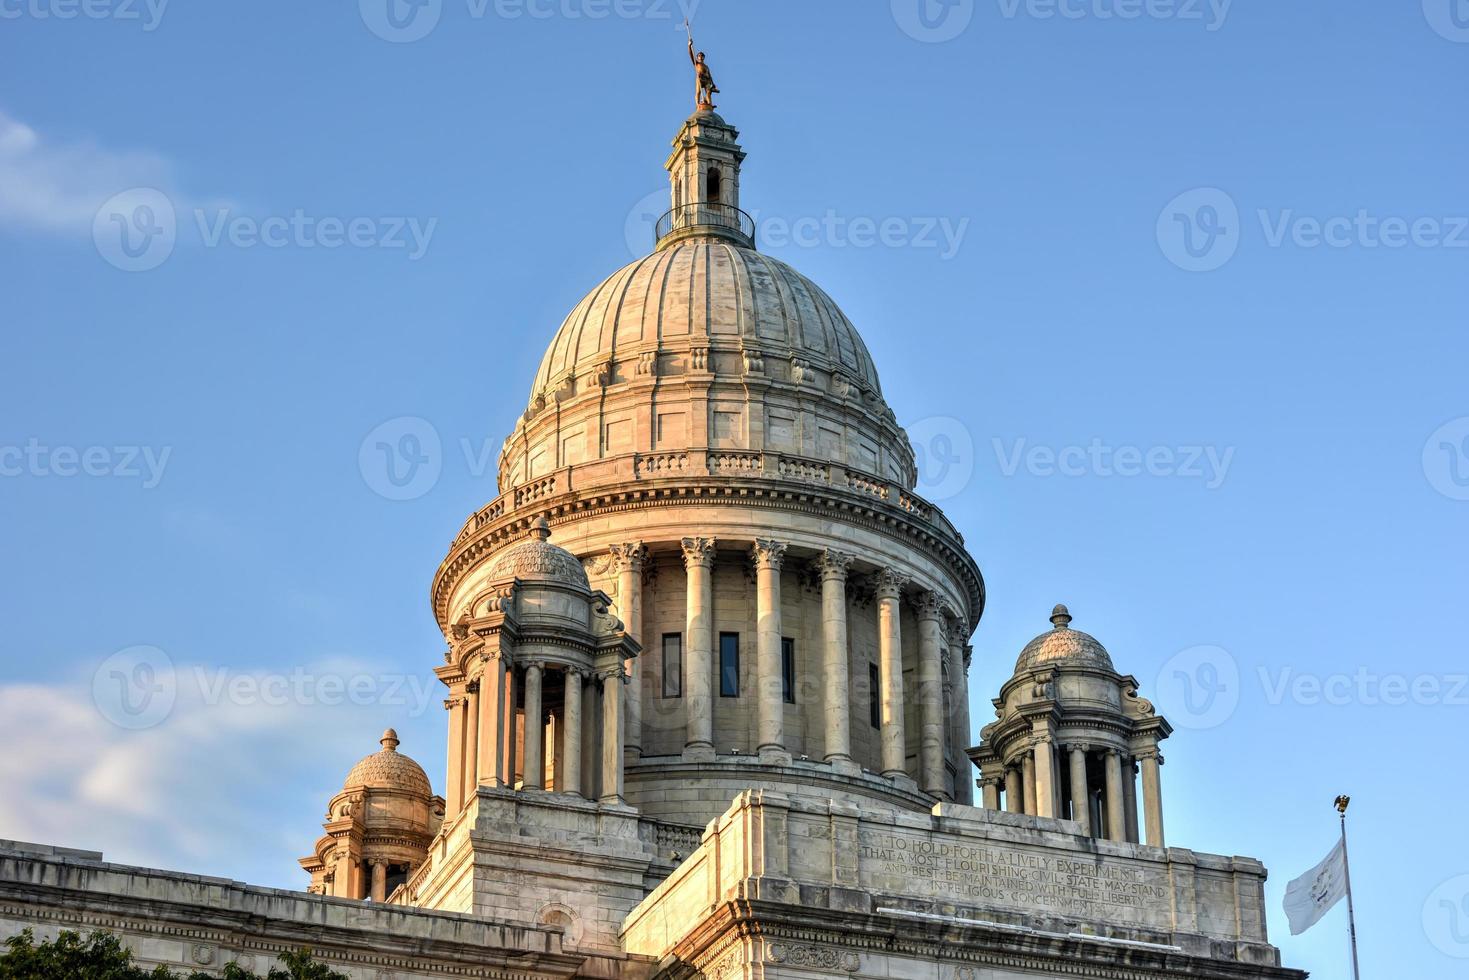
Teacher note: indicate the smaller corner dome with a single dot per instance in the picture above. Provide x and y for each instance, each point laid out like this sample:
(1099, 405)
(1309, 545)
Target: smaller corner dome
(388, 769)
(1062, 644)
(536, 559)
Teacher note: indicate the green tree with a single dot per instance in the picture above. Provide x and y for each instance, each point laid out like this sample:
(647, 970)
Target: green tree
(101, 956)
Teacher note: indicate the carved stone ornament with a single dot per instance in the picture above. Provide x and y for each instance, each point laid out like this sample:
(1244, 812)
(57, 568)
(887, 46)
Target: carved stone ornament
(820, 957)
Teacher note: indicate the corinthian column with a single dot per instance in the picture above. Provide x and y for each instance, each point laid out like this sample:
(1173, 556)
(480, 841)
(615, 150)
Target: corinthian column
(628, 560)
(959, 698)
(612, 735)
(768, 556)
(1081, 799)
(1152, 761)
(1045, 777)
(535, 729)
(469, 761)
(568, 768)
(1014, 794)
(1116, 817)
(698, 557)
(494, 686)
(890, 673)
(931, 696)
(454, 768)
(835, 660)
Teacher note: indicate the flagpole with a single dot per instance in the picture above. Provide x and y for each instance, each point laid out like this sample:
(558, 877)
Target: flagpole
(1341, 806)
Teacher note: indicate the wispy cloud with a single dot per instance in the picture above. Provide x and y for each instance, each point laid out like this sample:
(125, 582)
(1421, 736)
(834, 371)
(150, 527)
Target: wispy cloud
(231, 780)
(57, 187)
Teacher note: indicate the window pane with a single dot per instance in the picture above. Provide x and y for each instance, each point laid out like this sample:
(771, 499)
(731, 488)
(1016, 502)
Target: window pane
(672, 665)
(729, 665)
(788, 669)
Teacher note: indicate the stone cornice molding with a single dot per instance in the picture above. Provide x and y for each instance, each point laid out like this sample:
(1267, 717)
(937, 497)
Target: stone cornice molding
(507, 518)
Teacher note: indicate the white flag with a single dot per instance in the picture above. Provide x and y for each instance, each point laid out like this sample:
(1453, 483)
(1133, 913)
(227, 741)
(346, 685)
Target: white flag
(1314, 893)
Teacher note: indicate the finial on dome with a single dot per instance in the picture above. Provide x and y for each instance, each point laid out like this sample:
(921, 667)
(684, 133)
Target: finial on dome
(1060, 616)
(389, 741)
(541, 529)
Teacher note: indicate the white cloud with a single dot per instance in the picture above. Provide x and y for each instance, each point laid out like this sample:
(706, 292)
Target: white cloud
(233, 781)
(59, 187)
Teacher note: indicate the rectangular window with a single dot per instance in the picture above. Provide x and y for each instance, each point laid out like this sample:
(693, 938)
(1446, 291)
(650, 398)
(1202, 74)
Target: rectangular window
(672, 665)
(729, 665)
(874, 696)
(788, 669)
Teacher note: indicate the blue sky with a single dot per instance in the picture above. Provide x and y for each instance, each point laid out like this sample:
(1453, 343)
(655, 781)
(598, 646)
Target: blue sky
(1174, 304)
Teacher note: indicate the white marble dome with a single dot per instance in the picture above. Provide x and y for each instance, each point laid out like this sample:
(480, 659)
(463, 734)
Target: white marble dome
(388, 769)
(536, 559)
(706, 345)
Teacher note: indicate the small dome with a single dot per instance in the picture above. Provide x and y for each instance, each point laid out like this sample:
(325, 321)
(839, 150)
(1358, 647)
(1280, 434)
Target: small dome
(1062, 643)
(388, 769)
(536, 559)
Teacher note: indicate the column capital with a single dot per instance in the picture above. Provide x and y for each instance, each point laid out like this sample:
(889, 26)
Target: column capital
(539, 666)
(834, 564)
(698, 552)
(572, 671)
(1151, 752)
(1080, 747)
(628, 557)
(619, 673)
(890, 583)
(457, 701)
(929, 605)
(768, 553)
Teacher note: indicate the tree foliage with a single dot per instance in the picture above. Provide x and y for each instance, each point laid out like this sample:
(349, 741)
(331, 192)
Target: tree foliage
(102, 956)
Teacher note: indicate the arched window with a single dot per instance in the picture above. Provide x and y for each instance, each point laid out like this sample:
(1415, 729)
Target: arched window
(712, 188)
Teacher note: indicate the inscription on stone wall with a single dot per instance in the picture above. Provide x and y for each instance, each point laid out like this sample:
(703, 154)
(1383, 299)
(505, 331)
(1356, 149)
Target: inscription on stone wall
(1021, 878)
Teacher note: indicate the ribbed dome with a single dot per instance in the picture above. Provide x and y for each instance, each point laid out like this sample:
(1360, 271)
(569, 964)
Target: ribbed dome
(706, 291)
(388, 769)
(1062, 643)
(536, 559)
